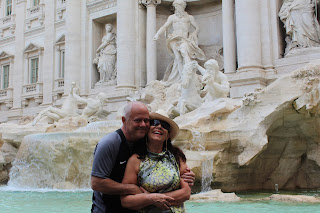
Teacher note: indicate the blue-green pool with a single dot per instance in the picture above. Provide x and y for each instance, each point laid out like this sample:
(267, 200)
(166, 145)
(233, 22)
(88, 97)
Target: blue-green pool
(46, 201)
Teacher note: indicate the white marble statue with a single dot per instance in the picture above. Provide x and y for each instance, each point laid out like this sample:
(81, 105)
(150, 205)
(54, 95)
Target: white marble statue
(181, 44)
(301, 24)
(94, 107)
(68, 108)
(190, 91)
(106, 56)
(216, 83)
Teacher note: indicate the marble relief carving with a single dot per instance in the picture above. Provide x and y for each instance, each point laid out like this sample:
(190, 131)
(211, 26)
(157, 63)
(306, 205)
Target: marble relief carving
(301, 24)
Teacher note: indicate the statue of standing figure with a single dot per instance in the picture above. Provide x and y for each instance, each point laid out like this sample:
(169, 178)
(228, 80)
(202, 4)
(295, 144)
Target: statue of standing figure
(181, 44)
(106, 56)
(301, 24)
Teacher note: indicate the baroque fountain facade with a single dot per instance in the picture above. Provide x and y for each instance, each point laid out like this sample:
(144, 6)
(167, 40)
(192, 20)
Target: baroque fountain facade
(240, 77)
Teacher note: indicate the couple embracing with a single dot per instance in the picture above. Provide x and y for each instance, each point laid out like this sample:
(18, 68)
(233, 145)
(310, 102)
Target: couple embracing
(137, 169)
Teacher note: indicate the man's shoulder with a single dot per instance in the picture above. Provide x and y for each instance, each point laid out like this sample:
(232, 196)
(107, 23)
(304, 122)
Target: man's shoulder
(111, 138)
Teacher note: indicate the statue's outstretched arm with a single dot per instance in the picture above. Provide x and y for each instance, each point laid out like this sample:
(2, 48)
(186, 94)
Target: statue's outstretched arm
(163, 28)
(80, 99)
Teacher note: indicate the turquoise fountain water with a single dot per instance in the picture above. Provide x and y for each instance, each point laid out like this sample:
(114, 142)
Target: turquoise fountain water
(79, 201)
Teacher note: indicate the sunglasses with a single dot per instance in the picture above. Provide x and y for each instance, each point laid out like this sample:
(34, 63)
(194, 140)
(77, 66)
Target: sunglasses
(164, 124)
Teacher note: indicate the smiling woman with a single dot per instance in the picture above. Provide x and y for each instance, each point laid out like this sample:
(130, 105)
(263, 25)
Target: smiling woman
(156, 167)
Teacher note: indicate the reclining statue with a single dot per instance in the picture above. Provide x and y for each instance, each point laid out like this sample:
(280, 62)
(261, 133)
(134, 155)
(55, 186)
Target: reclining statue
(68, 109)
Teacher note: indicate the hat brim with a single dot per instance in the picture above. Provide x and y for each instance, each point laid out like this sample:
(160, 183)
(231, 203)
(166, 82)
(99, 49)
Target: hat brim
(174, 128)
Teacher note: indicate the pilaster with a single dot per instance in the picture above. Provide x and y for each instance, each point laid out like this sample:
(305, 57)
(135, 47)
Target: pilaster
(248, 34)
(126, 44)
(48, 58)
(229, 36)
(151, 44)
(18, 70)
(72, 44)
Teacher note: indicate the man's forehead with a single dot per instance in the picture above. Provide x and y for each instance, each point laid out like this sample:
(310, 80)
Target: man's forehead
(140, 115)
(140, 111)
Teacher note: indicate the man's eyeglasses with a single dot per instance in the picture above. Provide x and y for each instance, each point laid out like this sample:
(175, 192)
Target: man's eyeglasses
(139, 120)
(164, 124)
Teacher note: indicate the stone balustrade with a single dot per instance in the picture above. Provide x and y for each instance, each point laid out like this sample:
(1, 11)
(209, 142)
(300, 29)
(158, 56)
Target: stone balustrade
(7, 23)
(35, 13)
(59, 85)
(61, 10)
(34, 91)
(6, 96)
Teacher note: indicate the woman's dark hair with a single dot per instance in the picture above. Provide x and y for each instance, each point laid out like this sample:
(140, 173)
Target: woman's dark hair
(140, 149)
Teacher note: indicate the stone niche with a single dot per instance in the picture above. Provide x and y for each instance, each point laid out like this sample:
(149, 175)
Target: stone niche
(208, 15)
(297, 57)
(290, 159)
(98, 32)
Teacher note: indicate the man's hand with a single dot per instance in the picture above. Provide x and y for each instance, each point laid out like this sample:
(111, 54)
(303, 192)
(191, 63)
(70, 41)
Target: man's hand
(188, 176)
(161, 201)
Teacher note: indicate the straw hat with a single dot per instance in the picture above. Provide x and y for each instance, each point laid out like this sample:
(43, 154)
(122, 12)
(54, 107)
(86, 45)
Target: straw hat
(160, 114)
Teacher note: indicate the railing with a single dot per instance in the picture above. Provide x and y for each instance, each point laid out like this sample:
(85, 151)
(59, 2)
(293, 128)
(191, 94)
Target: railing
(61, 9)
(3, 93)
(7, 22)
(35, 11)
(59, 83)
(31, 90)
(6, 96)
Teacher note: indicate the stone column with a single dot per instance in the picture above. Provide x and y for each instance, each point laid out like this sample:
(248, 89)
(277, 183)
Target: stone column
(26, 70)
(19, 77)
(151, 44)
(266, 37)
(47, 73)
(248, 34)
(72, 44)
(57, 62)
(126, 44)
(229, 37)
(10, 72)
(142, 46)
(40, 66)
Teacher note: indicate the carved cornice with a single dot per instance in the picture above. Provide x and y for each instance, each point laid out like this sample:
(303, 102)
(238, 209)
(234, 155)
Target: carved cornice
(150, 2)
(20, 1)
(98, 5)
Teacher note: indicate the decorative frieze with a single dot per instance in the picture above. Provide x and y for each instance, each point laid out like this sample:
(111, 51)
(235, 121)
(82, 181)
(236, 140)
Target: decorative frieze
(99, 5)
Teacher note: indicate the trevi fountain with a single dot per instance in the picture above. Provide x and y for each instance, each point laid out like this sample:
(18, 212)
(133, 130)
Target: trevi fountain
(248, 106)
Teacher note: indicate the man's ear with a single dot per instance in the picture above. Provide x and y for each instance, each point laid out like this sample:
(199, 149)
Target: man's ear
(123, 119)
